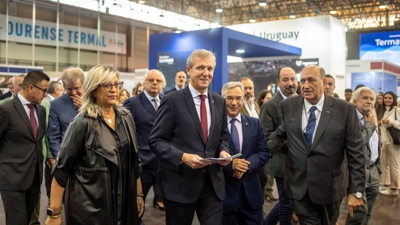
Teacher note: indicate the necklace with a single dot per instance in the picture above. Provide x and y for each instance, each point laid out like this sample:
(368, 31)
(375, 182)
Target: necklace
(108, 119)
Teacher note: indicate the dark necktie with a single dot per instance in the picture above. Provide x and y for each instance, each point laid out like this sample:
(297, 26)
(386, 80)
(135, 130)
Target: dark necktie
(312, 121)
(203, 117)
(155, 103)
(33, 120)
(235, 136)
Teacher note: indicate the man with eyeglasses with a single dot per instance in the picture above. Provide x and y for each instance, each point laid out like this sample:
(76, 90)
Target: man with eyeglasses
(10, 84)
(62, 111)
(22, 129)
(244, 201)
(143, 108)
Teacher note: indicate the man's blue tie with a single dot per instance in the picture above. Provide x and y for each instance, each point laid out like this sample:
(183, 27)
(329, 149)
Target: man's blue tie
(312, 121)
(235, 136)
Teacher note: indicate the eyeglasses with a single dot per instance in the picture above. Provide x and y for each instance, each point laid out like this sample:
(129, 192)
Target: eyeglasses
(73, 89)
(42, 89)
(108, 86)
(230, 99)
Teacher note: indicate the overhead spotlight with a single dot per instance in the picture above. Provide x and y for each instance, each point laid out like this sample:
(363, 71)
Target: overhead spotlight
(397, 18)
(240, 51)
(141, 2)
(219, 10)
(292, 16)
(382, 6)
(357, 19)
(262, 3)
(346, 29)
(252, 21)
(333, 12)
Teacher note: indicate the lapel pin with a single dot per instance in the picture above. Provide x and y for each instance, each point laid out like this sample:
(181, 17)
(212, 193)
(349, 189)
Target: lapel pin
(246, 123)
(328, 112)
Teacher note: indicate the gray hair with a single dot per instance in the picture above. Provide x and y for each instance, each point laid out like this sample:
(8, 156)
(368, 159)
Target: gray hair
(71, 74)
(97, 75)
(53, 85)
(357, 93)
(202, 54)
(18, 76)
(143, 81)
(231, 85)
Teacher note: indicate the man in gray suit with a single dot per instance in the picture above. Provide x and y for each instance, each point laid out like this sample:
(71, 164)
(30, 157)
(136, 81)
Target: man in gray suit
(22, 128)
(363, 99)
(271, 118)
(319, 131)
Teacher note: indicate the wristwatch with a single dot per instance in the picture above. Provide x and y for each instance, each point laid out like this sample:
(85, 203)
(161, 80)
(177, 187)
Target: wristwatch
(358, 194)
(53, 212)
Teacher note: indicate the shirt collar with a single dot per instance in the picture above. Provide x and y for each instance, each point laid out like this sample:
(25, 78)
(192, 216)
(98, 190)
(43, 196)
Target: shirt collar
(195, 93)
(284, 97)
(150, 97)
(319, 105)
(360, 116)
(238, 117)
(177, 88)
(23, 100)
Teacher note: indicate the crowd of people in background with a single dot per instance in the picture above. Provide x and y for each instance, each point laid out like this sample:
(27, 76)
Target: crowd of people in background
(102, 148)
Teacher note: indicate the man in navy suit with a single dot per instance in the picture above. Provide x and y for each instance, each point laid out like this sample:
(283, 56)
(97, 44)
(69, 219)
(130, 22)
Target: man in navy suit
(22, 128)
(244, 195)
(143, 108)
(191, 125)
(180, 81)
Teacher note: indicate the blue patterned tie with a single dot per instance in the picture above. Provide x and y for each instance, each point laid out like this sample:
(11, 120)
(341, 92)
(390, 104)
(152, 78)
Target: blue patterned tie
(235, 136)
(312, 121)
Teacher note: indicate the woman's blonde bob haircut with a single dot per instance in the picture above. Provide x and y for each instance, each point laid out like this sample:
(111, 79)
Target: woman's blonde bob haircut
(99, 74)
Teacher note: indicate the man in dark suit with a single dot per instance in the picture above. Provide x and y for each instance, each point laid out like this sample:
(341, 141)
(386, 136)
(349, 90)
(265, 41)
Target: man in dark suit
(191, 125)
(244, 196)
(363, 99)
(180, 82)
(22, 128)
(271, 118)
(143, 108)
(320, 130)
(10, 84)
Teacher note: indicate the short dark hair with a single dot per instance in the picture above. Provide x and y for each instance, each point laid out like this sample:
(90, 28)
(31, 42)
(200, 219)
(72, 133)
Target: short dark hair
(179, 72)
(330, 76)
(34, 77)
(245, 78)
(52, 86)
(348, 90)
(358, 86)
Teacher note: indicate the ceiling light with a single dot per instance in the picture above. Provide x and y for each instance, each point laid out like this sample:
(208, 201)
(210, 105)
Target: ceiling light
(262, 3)
(333, 12)
(219, 10)
(240, 51)
(292, 16)
(141, 2)
(382, 6)
(252, 21)
(397, 18)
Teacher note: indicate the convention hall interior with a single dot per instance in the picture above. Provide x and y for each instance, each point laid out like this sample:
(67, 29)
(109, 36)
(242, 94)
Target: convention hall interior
(356, 41)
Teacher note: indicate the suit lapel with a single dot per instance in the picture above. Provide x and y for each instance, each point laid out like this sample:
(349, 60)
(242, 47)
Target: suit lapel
(325, 117)
(298, 115)
(69, 105)
(245, 131)
(212, 110)
(22, 113)
(192, 109)
(147, 104)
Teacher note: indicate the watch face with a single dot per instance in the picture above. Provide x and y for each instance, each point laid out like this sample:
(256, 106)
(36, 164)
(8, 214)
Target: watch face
(358, 195)
(49, 212)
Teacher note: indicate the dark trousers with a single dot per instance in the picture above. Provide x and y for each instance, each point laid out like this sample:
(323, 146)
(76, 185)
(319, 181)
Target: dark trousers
(19, 205)
(310, 213)
(363, 214)
(243, 212)
(148, 178)
(208, 208)
(48, 178)
(283, 209)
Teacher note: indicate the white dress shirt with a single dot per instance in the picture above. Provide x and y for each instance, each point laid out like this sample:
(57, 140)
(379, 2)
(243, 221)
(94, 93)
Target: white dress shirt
(306, 114)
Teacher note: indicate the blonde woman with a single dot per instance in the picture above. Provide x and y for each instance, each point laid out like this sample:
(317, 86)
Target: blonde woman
(97, 170)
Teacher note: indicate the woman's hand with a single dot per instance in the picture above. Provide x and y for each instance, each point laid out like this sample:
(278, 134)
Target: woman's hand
(385, 121)
(53, 220)
(140, 205)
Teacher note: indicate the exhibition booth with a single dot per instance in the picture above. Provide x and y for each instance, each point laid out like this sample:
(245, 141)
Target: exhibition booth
(168, 51)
